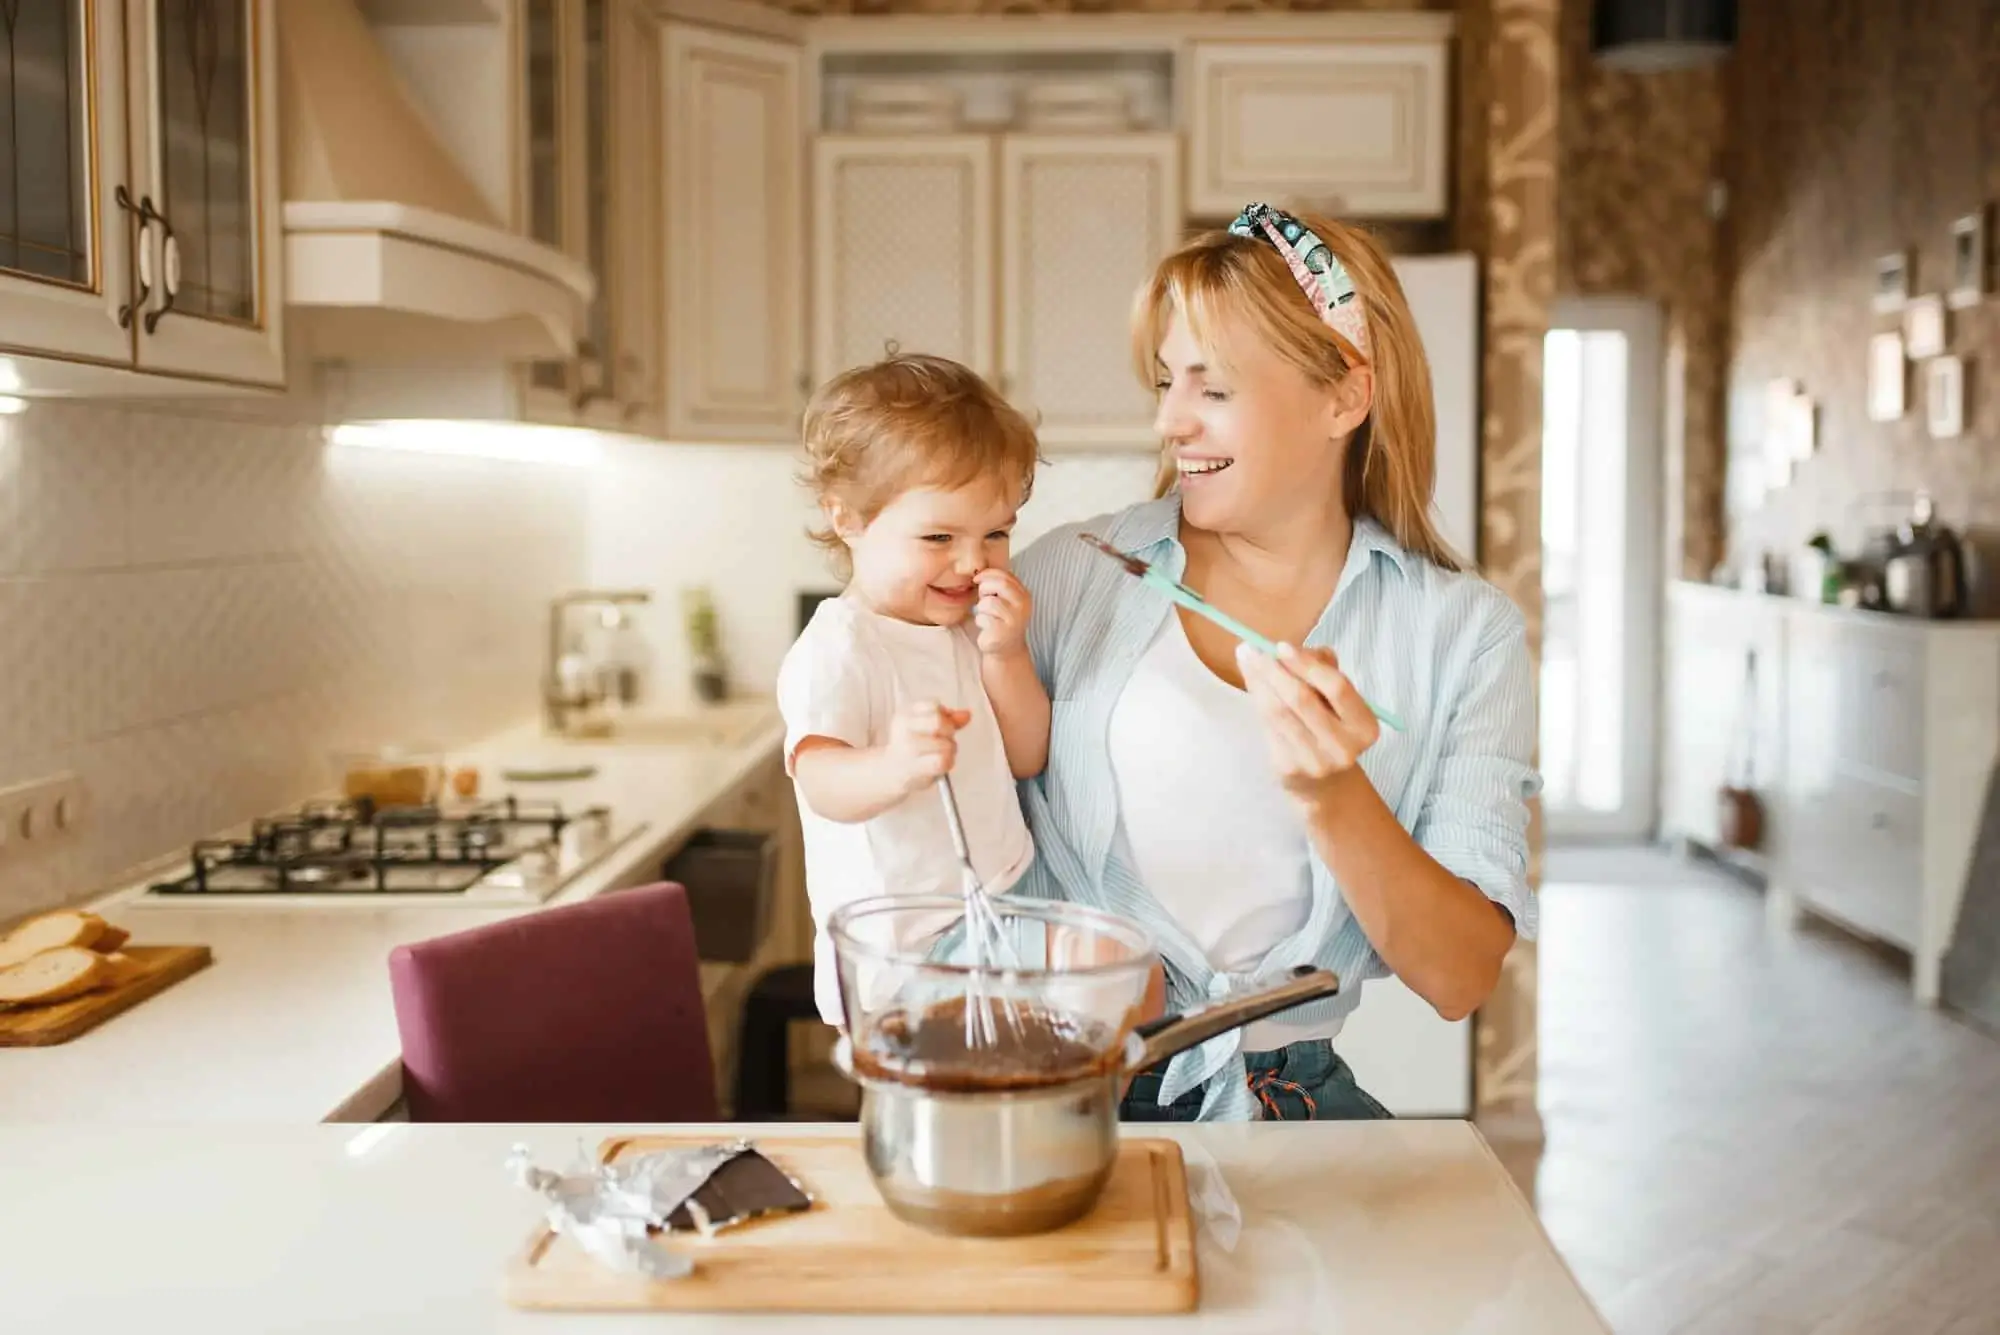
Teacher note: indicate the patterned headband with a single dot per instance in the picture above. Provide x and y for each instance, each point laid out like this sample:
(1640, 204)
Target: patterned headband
(1320, 275)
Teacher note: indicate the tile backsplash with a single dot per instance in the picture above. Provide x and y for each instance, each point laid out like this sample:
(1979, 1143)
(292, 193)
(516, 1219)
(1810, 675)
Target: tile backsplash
(734, 518)
(196, 611)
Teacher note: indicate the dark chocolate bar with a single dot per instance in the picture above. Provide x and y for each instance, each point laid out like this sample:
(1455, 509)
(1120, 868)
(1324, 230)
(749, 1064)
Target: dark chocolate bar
(748, 1187)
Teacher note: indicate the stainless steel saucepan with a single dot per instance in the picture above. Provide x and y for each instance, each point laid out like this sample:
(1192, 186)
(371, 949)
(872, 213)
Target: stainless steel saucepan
(1008, 1127)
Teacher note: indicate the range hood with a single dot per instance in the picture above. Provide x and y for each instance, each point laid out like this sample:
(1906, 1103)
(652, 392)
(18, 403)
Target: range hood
(391, 253)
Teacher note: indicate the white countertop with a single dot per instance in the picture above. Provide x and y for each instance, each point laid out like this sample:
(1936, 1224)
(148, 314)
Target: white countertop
(1406, 1227)
(293, 1022)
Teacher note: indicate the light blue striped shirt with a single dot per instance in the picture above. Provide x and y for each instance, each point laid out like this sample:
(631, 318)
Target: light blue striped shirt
(1446, 652)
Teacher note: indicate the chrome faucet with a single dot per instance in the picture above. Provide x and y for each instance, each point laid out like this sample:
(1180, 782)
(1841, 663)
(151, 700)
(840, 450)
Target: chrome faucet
(559, 700)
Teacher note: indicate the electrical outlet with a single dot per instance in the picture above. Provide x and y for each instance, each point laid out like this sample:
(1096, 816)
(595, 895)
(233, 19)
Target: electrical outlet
(35, 814)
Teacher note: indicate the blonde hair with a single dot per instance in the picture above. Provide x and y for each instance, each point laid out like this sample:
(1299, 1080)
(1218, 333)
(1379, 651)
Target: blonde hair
(1222, 282)
(908, 421)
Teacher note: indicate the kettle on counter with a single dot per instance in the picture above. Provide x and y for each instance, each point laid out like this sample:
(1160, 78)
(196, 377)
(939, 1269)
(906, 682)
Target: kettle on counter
(1924, 573)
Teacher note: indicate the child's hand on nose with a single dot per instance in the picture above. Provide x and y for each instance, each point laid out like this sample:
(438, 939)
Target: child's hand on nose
(1002, 613)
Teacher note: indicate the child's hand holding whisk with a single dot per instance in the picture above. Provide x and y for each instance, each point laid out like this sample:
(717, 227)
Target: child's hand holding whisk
(923, 742)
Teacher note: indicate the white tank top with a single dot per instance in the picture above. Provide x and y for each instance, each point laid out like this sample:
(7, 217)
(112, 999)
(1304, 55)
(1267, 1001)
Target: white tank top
(1210, 830)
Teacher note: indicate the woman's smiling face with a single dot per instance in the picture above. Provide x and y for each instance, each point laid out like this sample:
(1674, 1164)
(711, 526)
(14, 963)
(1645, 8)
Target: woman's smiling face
(1252, 437)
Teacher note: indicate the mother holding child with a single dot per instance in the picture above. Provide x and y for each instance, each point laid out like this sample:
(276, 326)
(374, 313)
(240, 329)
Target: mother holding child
(1246, 808)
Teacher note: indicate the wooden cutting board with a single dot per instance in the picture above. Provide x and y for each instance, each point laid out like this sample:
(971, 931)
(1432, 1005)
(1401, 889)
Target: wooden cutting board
(160, 967)
(1134, 1253)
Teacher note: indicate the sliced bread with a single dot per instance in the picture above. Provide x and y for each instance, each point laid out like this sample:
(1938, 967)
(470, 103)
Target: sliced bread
(65, 927)
(114, 937)
(54, 975)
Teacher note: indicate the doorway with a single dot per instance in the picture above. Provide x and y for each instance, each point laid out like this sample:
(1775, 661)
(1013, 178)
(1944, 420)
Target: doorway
(1603, 490)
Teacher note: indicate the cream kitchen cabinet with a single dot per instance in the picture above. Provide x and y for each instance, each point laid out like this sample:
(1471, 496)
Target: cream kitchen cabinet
(1351, 127)
(1083, 219)
(142, 254)
(662, 153)
(1724, 712)
(1017, 254)
(589, 145)
(1893, 730)
(1886, 732)
(903, 249)
(734, 234)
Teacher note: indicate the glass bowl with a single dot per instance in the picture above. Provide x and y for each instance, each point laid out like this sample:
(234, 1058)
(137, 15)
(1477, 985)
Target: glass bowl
(1049, 1000)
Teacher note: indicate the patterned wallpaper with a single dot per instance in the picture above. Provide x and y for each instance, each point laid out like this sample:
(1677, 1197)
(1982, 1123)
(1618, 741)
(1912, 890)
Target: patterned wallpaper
(1639, 152)
(1518, 235)
(1859, 129)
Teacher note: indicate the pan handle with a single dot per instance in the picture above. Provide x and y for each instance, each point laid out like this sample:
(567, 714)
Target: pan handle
(1170, 1034)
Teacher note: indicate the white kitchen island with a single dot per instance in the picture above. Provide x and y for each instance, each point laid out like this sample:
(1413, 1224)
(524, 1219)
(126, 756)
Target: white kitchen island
(1368, 1227)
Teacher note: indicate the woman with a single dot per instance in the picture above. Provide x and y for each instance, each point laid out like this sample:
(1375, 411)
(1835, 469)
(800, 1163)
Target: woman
(1250, 810)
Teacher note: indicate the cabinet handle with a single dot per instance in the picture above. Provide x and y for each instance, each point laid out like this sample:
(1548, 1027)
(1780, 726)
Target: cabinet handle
(144, 209)
(170, 272)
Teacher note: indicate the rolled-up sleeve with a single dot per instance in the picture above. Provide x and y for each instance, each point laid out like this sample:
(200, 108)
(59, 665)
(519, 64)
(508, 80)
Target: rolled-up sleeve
(1474, 820)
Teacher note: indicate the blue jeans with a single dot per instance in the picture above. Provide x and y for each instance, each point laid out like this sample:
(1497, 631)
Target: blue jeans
(1301, 1082)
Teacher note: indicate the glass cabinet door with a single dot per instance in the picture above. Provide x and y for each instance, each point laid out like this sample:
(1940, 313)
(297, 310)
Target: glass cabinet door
(545, 122)
(209, 201)
(65, 260)
(637, 242)
(597, 361)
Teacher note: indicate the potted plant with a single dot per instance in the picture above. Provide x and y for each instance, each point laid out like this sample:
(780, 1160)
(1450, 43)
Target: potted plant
(711, 674)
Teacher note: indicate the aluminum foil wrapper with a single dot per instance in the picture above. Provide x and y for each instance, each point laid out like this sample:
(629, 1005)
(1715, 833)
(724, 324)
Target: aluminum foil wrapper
(611, 1210)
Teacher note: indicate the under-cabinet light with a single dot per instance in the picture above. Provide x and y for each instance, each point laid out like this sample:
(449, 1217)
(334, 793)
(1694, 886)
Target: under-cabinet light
(563, 446)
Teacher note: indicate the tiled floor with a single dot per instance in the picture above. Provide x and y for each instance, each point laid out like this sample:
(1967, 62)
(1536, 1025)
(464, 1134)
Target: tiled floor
(1755, 1133)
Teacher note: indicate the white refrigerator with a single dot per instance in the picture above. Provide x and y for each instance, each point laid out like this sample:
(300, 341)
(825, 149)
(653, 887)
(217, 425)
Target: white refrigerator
(1402, 1052)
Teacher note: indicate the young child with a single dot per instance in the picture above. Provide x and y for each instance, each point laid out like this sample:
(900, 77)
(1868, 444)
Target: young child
(920, 667)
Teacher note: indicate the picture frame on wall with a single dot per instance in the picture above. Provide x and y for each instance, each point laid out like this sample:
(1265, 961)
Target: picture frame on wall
(1888, 375)
(1892, 281)
(1779, 424)
(1971, 261)
(1802, 426)
(1944, 397)
(1924, 327)
(1790, 429)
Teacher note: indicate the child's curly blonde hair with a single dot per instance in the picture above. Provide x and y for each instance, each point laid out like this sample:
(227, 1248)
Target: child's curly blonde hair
(908, 421)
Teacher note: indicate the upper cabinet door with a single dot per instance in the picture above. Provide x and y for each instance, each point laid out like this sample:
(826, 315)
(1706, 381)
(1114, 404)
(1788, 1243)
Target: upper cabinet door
(205, 155)
(903, 249)
(550, 106)
(735, 236)
(622, 375)
(65, 253)
(1083, 221)
(1352, 128)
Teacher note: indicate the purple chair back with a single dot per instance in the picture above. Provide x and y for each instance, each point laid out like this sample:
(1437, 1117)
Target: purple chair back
(590, 1012)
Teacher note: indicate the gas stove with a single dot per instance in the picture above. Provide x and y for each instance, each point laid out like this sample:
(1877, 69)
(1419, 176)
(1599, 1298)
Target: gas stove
(351, 853)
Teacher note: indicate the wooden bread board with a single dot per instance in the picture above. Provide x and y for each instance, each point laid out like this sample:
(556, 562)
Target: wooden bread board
(159, 968)
(1134, 1253)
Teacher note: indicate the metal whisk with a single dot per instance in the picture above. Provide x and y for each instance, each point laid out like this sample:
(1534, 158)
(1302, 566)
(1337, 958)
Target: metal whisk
(985, 936)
